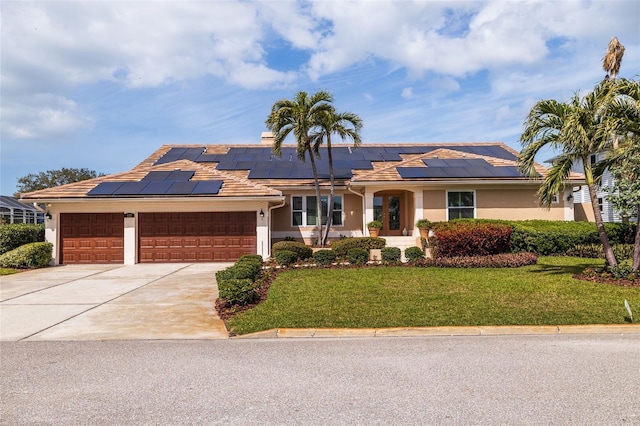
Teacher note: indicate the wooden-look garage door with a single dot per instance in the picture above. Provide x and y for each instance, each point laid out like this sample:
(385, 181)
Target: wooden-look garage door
(92, 238)
(196, 237)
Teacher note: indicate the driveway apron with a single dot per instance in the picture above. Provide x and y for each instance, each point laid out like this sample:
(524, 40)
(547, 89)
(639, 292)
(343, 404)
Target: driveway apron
(108, 302)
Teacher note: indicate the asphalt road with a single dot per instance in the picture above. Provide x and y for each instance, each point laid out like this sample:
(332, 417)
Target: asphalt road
(580, 379)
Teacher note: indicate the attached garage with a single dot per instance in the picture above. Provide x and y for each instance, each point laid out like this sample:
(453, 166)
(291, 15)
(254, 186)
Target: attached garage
(91, 238)
(196, 236)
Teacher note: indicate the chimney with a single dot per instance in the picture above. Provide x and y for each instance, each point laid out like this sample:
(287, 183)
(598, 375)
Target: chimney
(266, 138)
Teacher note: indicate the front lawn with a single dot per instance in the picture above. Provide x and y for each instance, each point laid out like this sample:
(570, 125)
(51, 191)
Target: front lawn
(542, 294)
(8, 271)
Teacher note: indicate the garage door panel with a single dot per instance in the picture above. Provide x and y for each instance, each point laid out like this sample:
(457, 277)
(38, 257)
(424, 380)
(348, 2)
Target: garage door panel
(203, 237)
(91, 238)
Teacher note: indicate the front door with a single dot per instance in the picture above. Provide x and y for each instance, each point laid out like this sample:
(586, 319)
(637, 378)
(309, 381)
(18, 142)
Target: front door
(387, 208)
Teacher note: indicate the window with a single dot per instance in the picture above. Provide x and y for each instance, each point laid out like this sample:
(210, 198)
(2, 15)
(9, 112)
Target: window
(600, 203)
(304, 210)
(461, 204)
(593, 159)
(555, 199)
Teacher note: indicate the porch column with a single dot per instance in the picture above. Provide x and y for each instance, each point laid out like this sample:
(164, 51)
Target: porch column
(418, 202)
(130, 240)
(262, 231)
(51, 236)
(567, 202)
(368, 210)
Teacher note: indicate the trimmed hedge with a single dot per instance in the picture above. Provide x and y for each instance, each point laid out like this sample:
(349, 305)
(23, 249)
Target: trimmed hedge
(503, 260)
(471, 239)
(240, 271)
(302, 251)
(546, 237)
(342, 247)
(357, 256)
(391, 254)
(286, 257)
(595, 251)
(324, 257)
(15, 235)
(413, 253)
(237, 291)
(33, 255)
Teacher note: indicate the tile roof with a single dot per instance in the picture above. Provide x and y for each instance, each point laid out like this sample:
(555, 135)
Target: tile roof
(254, 171)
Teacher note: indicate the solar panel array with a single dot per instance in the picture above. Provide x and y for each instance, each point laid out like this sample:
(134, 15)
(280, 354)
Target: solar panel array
(175, 182)
(263, 164)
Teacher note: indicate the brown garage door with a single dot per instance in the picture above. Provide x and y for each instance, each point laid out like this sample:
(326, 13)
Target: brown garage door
(92, 238)
(196, 237)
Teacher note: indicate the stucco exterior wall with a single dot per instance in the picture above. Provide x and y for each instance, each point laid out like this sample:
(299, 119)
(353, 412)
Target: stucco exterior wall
(351, 216)
(496, 203)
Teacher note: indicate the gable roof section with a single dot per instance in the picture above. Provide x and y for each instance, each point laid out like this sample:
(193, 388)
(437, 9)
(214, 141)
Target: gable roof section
(189, 179)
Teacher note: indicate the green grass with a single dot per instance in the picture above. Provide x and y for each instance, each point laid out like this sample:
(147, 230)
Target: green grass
(541, 294)
(8, 271)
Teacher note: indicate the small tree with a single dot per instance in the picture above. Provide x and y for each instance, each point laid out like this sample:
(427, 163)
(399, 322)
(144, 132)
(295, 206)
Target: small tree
(51, 178)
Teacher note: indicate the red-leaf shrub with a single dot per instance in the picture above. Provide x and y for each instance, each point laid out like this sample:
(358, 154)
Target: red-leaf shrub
(504, 260)
(471, 239)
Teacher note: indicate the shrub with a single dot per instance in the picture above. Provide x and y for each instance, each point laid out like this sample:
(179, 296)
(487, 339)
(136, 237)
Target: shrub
(286, 257)
(357, 256)
(237, 291)
(503, 260)
(413, 253)
(253, 257)
(324, 257)
(424, 224)
(33, 255)
(251, 265)
(239, 271)
(302, 251)
(374, 224)
(391, 254)
(471, 239)
(342, 247)
(621, 251)
(15, 235)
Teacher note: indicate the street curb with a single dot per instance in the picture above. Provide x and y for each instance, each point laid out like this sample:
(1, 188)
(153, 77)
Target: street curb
(285, 333)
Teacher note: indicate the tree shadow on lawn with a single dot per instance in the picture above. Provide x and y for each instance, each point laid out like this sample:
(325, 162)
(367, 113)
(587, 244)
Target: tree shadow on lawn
(550, 269)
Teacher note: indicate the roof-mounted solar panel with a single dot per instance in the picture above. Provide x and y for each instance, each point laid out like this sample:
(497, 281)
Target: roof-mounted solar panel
(207, 187)
(130, 188)
(181, 175)
(105, 188)
(181, 188)
(156, 176)
(156, 188)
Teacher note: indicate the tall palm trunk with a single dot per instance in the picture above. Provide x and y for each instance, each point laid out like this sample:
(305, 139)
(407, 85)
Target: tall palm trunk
(604, 238)
(636, 249)
(331, 192)
(318, 200)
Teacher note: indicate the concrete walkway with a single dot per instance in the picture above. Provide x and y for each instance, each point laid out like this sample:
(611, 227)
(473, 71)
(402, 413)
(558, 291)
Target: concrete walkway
(106, 302)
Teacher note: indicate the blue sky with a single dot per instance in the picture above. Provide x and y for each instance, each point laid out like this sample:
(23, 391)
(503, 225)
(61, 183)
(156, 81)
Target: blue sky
(103, 84)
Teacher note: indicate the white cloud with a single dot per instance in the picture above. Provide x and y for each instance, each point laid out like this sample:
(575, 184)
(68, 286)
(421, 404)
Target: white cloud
(407, 93)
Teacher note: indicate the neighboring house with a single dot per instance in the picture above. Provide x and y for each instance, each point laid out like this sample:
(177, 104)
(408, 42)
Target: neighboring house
(190, 203)
(582, 201)
(13, 211)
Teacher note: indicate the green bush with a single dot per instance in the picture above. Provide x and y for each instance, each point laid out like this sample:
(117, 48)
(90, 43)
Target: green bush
(357, 256)
(342, 247)
(254, 266)
(15, 235)
(621, 251)
(237, 291)
(239, 271)
(251, 257)
(286, 257)
(33, 255)
(413, 253)
(391, 254)
(503, 260)
(302, 251)
(324, 257)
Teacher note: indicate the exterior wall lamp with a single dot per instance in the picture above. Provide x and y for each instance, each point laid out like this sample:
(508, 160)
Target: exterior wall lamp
(129, 215)
(570, 197)
(261, 214)
(48, 215)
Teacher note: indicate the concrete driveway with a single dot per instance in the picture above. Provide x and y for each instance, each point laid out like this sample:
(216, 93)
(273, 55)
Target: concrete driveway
(107, 302)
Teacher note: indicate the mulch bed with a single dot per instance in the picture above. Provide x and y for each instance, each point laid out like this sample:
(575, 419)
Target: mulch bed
(603, 277)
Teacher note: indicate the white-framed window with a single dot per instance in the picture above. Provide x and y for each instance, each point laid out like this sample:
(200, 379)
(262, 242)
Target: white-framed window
(304, 210)
(600, 203)
(461, 204)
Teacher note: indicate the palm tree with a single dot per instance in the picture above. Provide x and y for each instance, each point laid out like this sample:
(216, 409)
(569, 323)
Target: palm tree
(613, 58)
(622, 120)
(574, 128)
(347, 125)
(300, 116)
